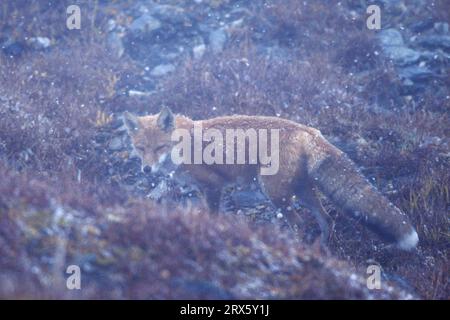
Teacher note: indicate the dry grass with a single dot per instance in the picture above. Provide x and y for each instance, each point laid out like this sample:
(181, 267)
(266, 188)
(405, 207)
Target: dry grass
(138, 250)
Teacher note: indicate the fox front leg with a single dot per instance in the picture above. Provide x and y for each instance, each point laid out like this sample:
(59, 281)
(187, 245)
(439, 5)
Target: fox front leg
(212, 196)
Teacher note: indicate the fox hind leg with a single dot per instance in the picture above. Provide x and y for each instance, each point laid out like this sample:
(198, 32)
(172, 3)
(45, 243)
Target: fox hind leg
(309, 198)
(305, 194)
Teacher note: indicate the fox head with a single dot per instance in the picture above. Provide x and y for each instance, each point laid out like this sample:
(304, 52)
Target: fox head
(151, 137)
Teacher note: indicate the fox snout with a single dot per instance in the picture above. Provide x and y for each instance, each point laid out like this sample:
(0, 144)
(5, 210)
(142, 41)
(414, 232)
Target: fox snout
(155, 168)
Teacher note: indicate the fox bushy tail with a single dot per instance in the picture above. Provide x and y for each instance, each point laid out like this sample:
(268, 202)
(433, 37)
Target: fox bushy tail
(339, 179)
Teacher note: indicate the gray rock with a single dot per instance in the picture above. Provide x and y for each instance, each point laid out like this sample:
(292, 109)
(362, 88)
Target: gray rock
(111, 25)
(170, 14)
(102, 137)
(199, 51)
(394, 47)
(391, 37)
(247, 198)
(145, 24)
(435, 41)
(115, 44)
(116, 123)
(12, 48)
(441, 27)
(116, 144)
(217, 39)
(415, 73)
(39, 43)
(402, 56)
(422, 25)
(162, 70)
(137, 93)
(394, 7)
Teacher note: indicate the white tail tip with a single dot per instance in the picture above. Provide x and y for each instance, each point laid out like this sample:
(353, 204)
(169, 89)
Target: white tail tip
(409, 241)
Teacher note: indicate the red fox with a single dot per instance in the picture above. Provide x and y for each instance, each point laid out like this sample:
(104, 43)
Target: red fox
(307, 163)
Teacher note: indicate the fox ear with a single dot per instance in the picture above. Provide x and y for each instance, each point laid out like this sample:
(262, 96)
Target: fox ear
(166, 120)
(131, 122)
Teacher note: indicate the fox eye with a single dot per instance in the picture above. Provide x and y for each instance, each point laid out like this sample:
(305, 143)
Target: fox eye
(161, 147)
(140, 148)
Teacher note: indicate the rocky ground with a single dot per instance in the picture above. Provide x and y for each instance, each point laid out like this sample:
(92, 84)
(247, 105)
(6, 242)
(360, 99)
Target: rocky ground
(72, 194)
